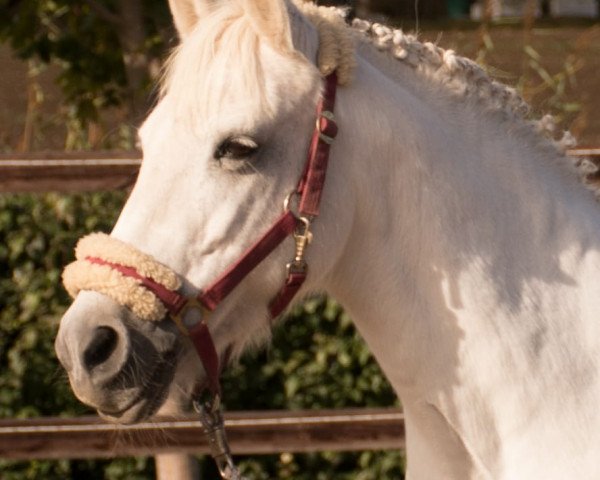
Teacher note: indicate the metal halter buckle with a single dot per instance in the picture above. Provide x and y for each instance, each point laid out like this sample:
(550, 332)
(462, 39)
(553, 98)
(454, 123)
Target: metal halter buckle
(211, 417)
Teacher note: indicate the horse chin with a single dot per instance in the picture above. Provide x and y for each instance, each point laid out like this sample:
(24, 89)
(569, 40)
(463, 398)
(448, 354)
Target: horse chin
(151, 396)
(141, 410)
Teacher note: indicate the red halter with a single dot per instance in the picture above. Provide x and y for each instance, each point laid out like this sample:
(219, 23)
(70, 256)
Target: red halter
(309, 190)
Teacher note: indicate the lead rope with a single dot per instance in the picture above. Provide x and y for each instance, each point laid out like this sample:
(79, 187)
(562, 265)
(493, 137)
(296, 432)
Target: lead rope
(211, 417)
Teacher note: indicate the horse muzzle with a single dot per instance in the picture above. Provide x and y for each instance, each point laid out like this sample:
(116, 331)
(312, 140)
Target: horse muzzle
(116, 363)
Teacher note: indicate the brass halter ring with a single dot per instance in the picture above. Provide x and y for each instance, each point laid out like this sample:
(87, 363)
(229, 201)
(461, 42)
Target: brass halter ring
(288, 200)
(183, 324)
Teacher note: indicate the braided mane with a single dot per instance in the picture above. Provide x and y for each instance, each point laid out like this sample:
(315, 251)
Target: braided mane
(460, 77)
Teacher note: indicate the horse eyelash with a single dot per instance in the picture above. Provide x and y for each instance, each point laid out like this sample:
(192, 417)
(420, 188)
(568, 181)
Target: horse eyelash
(243, 141)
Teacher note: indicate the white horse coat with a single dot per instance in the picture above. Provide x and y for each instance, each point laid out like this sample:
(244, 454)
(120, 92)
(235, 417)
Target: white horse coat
(454, 234)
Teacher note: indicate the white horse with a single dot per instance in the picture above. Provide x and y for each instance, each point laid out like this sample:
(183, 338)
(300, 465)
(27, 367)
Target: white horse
(451, 230)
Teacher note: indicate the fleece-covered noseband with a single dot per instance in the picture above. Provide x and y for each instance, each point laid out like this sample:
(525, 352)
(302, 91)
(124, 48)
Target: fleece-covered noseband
(86, 273)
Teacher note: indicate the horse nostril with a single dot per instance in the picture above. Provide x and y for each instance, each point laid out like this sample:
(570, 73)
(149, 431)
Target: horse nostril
(100, 348)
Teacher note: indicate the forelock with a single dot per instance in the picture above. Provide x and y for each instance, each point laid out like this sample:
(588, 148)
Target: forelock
(218, 61)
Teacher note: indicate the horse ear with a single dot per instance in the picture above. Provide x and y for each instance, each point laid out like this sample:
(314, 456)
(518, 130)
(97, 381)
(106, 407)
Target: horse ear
(186, 13)
(271, 20)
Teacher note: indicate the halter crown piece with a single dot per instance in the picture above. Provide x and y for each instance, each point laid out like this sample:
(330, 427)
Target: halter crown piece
(150, 289)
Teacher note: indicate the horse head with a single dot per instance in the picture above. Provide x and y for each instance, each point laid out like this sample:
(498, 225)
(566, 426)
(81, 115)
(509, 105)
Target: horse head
(223, 148)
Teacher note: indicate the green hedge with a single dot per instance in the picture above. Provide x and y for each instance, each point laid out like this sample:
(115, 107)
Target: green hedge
(317, 359)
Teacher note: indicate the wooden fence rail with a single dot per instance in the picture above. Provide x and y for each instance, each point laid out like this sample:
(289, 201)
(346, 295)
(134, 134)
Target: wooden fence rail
(248, 432)
(91, 171)
(68, 171)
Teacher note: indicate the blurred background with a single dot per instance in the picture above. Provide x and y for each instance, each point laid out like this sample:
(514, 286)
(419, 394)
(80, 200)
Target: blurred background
(80, 75)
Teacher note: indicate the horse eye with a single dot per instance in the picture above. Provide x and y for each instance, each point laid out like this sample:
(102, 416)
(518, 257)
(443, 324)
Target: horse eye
(236, 148)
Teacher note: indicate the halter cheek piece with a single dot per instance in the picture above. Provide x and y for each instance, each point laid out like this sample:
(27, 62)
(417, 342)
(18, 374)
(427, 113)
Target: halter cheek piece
(309, 189)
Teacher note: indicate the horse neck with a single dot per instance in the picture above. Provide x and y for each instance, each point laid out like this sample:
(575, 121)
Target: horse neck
(472, 271)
